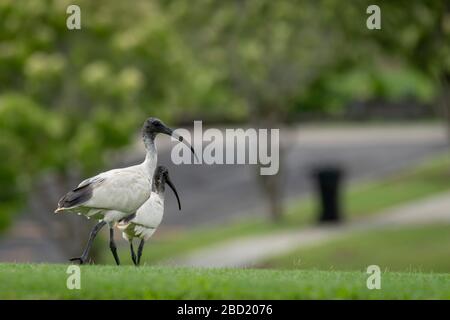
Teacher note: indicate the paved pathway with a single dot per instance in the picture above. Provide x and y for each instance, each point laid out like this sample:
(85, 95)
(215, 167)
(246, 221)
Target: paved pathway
(248, 251)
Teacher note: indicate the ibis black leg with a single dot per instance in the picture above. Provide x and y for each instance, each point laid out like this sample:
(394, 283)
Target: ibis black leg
(139, 253)
(133, 255)
(92, 236)
(112, 246)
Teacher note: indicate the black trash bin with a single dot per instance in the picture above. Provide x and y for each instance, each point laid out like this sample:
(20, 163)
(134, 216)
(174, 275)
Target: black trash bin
(328, 181)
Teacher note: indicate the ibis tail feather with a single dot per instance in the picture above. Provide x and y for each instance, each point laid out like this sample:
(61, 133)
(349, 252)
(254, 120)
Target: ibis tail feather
(75, 198)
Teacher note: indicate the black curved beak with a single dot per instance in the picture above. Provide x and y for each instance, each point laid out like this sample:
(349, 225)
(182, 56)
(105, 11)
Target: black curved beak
(171, 133)
(173, 189)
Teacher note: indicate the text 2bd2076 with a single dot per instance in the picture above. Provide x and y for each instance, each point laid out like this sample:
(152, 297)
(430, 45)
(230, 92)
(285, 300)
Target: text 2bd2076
(226, 309)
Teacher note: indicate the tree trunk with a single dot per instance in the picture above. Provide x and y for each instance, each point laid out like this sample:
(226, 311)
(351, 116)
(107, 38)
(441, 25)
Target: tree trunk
(444, 99)
(272, 190)
(271, 185)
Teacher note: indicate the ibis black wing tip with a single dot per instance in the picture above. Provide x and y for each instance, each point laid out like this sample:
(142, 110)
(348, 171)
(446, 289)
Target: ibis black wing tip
(75, 197)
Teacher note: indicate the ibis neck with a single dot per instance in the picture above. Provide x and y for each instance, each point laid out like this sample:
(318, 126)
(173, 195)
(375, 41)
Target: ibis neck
(158, 197)
(151, 156)
(157, 188)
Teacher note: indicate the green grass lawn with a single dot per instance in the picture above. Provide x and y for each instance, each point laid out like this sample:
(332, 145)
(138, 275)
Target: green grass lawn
(418, 248)
(39, 281)
(360, 200)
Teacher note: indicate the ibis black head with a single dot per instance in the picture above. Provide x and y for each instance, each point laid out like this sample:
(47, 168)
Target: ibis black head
(160, 178)
(153, 126)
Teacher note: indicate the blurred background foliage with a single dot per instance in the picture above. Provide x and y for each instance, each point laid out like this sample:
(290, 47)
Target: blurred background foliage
(69, 98)
(67, 95)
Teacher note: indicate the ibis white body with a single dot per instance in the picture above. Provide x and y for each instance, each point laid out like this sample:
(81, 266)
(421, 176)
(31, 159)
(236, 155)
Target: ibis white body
(147, 219)
(119, 193)
(113, 195)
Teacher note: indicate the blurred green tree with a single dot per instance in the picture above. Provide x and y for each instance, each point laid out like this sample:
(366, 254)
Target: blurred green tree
(421, 36)
(415, 34)
(261, 55)
(69, 97)
(266, 57)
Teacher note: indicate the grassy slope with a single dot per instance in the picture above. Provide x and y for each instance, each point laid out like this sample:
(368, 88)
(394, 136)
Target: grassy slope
(25, 281)
(360, 200)
(423, 248)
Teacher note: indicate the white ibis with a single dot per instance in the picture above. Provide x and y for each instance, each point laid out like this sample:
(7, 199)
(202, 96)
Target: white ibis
(113, 195)
(143, 224)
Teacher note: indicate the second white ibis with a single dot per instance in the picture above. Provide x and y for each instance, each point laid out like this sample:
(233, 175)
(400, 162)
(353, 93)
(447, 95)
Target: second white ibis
(143, 224)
